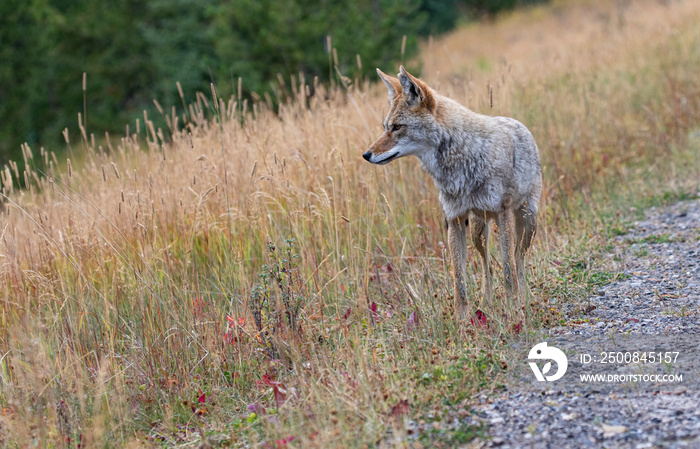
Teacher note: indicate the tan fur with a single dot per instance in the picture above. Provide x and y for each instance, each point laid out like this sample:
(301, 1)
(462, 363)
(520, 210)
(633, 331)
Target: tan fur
(486, 168)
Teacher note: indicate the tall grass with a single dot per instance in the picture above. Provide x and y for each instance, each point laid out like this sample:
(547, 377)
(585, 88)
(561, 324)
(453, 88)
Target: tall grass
(245, 277)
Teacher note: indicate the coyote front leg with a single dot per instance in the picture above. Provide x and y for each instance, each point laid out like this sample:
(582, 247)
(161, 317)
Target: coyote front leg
(457, 242)
(506, 228)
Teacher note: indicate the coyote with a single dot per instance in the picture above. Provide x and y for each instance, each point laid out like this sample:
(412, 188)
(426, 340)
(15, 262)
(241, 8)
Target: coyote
(484, 167)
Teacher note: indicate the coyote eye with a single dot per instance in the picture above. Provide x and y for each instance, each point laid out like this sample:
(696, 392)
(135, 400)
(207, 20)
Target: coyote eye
(396, 127)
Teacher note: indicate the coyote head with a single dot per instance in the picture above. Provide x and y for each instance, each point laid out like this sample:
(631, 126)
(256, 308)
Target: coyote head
(410, 127)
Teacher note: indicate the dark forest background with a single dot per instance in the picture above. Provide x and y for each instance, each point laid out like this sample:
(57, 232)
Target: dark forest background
(134, 51)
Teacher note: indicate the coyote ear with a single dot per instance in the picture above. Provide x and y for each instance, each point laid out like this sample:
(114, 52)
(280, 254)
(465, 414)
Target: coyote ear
(392, 83)
(416, 91)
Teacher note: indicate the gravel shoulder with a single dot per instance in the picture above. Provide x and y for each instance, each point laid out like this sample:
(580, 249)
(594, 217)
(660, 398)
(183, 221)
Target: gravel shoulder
(652, 308)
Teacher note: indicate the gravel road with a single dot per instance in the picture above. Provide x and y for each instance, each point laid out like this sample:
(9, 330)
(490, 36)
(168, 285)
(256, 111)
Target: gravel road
(652, 310)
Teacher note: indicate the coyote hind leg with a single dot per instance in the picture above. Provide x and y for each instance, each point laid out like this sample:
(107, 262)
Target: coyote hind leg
(525, 229)
(506, 229)
(480, 228)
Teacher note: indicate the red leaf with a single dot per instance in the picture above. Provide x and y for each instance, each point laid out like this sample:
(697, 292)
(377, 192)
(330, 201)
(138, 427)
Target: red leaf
(400, 409)
(232, 320)
(347, 314)
(280, 395)
(479, 319)
(283, 442)
(389, 269)
(373, 308)
(277, 388)
(203, 398)
(518, 327)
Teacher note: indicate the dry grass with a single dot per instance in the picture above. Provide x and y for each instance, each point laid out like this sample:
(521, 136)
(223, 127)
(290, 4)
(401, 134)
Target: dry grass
(135, 288)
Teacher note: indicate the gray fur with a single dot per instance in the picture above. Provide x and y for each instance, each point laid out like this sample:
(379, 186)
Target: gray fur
(484, 167)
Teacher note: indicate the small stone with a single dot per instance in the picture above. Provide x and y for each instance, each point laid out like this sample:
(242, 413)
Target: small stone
(679, 391)
(609, 431)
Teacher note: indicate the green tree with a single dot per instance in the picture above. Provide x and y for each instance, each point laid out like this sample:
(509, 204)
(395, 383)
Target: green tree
(134, 51)
(442, 16)
(26, 95)
(103, 40)
(175, 35)
(47, 48)
(259, 39)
